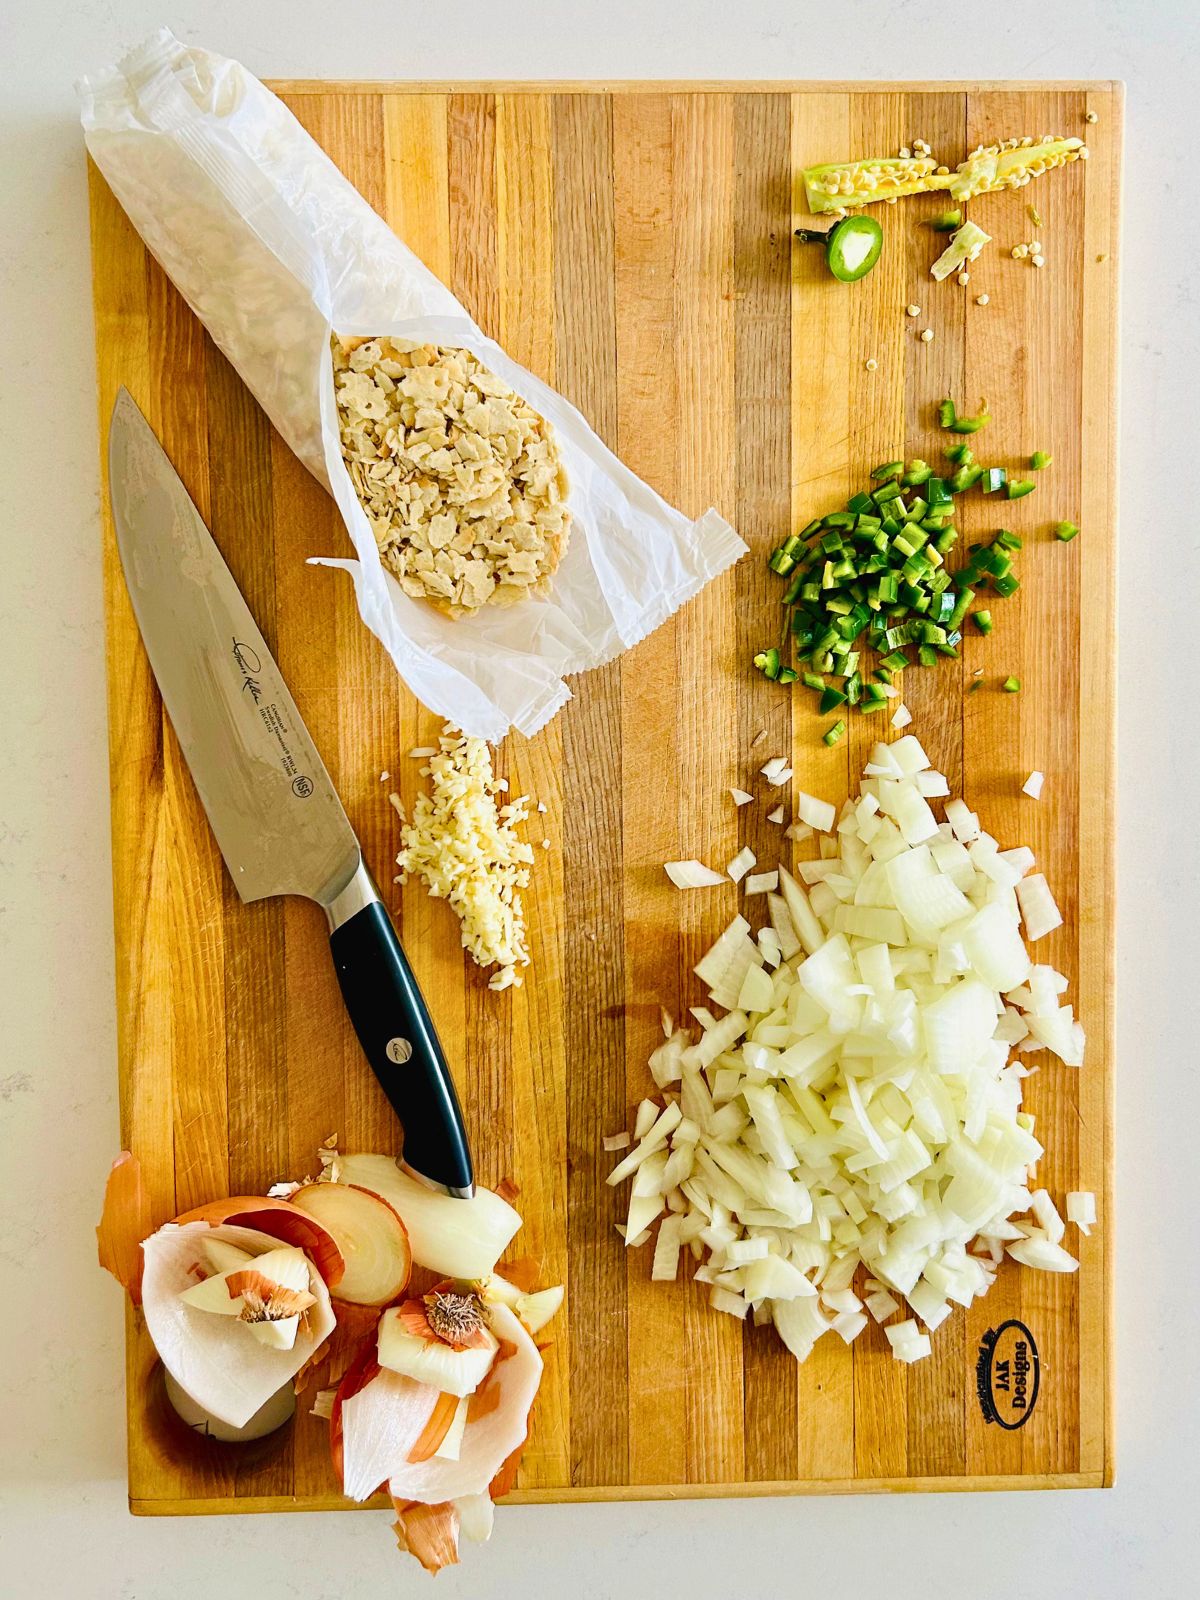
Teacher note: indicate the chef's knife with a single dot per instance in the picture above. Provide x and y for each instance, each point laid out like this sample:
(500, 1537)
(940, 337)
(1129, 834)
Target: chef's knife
(269, 800)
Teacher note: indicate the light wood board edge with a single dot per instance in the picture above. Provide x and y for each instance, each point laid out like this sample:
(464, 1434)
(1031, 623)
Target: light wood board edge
(607, 1493)
(1102, 375)
(295, 86)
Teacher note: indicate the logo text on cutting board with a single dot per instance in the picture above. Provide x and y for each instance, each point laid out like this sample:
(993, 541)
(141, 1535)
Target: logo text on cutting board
(1007, 1374)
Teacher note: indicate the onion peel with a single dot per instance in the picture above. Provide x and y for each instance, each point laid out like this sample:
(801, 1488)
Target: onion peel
(523, 1273)
(283, 1221)
(488, 1440)
(441, 1419)
(505, 1480)
(508, 1190)
(363, 1367)
(328, 1366)
(428, 1532)
(124, 1222)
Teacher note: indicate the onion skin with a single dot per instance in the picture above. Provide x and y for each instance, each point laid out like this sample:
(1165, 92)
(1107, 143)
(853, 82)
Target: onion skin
(280, 1219)
(328, 1366)
(505, 1480)
(125, 1221)
(523, 1273)
(428, 1532)
(357, 1376)
(435, 1429)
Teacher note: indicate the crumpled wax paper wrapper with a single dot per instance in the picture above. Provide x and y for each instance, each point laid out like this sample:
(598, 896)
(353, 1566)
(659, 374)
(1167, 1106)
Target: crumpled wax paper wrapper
(273, 249)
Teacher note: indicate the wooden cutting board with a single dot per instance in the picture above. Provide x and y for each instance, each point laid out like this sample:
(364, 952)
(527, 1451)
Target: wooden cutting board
(632, 245)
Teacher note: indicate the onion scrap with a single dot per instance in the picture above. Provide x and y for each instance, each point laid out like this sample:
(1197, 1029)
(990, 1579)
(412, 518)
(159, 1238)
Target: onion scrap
(125, 1221)
(237, 1299)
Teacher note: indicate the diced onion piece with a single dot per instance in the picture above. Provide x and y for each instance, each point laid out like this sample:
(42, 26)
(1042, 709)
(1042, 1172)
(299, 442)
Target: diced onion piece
(647, 1114)
(1020, 859)
(881, 1305)
(665, 1266)
(1048, 1219)
(1042, 1255)
(1033, 785)
(995, 948)
(901, 717)
(757, 990)
(908, 755)
(761, 882)
(691, 874)
(616, 1141)
(963, 821)
(1081, 1210)
(723, 1300)
(740, 797)
(741, 864)
(808, 928)
(818, 814)
(1039, 913)
(849, 1324)
(776, 815)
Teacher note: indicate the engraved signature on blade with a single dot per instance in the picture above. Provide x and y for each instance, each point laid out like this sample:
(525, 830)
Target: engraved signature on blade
(250, 667)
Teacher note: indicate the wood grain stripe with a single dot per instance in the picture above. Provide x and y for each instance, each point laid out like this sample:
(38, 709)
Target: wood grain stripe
(648, 412)
(594, 978)
(762, 279)
(525, 266)
(821, 467)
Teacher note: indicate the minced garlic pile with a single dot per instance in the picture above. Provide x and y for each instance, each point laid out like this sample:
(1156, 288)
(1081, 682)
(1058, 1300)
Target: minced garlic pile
(465, 847)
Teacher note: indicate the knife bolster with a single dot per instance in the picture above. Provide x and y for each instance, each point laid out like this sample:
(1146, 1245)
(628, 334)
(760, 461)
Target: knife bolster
(358, 893)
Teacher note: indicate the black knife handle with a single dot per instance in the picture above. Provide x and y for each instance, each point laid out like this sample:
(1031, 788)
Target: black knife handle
(400, 1042)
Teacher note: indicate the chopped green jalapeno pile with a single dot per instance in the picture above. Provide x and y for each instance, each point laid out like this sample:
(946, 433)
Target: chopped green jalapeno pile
(874, 577)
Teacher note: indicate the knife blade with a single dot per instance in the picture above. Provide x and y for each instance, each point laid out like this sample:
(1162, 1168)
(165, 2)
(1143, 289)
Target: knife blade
(273, 809)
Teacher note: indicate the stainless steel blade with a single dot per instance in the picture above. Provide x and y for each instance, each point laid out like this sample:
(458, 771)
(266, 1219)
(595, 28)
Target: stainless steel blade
(272, 807)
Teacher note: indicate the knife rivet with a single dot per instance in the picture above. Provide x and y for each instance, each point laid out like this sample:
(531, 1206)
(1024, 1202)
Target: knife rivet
(399, 1051)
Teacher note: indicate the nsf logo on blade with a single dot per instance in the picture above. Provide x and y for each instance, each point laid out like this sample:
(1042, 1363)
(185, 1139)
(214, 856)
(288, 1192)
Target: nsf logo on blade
(302, 787)
(1007, 1374)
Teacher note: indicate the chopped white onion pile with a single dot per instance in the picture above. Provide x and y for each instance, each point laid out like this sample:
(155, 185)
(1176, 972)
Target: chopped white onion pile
(854, 1112)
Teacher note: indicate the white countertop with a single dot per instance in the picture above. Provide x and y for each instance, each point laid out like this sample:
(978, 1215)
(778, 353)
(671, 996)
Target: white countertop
(64, 1528)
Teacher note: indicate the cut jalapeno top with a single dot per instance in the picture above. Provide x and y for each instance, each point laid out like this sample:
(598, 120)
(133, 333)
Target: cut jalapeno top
(852, 246)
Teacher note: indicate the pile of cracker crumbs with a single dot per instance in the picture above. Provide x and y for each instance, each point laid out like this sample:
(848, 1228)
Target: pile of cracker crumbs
(463, 481)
